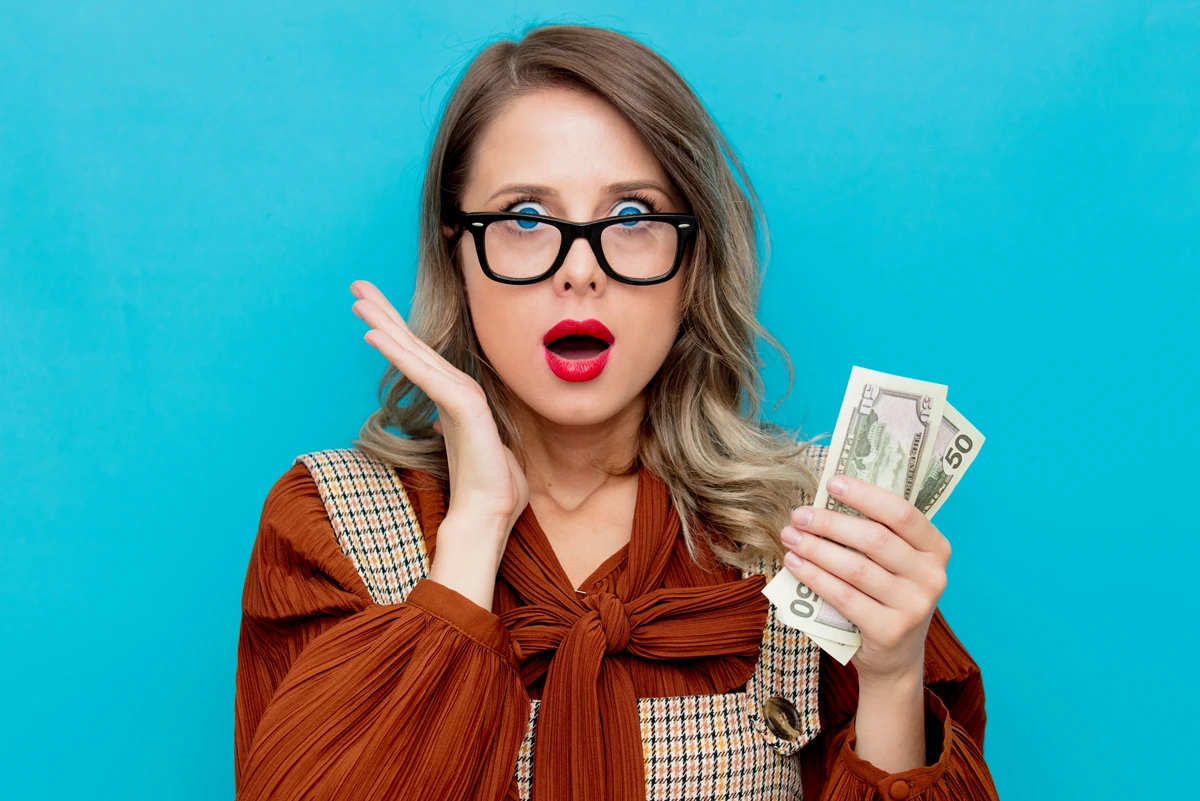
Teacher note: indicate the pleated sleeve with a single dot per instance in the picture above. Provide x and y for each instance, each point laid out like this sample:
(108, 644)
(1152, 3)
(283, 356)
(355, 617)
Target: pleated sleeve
(954, 725)
(340, 697)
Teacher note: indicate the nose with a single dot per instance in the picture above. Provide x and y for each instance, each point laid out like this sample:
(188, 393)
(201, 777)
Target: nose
(581, 270)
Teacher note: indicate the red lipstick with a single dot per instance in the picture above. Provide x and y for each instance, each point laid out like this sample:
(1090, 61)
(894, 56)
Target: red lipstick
(581, 368)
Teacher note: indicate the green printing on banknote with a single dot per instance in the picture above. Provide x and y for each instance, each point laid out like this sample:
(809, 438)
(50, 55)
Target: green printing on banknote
(887, 456)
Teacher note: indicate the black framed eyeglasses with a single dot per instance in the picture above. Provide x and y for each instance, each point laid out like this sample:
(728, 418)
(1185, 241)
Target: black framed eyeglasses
(517, 247)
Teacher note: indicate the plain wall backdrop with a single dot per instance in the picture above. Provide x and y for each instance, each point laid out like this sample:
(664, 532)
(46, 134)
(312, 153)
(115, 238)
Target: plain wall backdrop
(1003, 197)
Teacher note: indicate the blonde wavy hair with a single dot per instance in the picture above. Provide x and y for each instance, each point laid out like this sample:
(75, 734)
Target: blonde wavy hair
(730, 472)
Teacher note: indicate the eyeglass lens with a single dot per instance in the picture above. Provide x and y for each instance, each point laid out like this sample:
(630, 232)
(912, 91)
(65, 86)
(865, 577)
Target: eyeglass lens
(527, 248)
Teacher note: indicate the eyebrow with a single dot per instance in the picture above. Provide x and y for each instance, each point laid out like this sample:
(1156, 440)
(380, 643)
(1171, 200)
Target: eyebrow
(549, 191)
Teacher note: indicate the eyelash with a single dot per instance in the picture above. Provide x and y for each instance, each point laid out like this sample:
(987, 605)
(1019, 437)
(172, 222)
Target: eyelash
(637, 196)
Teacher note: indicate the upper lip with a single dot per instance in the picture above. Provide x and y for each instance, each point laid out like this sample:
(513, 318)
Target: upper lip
(591, 328)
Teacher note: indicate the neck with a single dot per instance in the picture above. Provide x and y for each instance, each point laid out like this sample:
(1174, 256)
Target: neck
(568, 463)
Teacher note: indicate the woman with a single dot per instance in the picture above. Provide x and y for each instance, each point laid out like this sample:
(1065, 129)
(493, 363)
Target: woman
(550, 587)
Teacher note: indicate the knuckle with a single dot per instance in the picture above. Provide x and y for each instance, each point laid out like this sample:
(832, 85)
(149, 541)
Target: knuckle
(474, 406)
(908, 515)
(915, 607)
(939, 583)
(876, 538)
(860, 570)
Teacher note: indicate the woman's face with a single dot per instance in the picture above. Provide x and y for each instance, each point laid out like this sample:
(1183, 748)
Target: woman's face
(573, 145)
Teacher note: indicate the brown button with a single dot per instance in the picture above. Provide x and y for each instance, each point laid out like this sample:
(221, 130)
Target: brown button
(899, 789)
(781, 717)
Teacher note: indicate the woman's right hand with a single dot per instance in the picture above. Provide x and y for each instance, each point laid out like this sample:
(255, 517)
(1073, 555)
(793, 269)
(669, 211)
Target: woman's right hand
(488, 490)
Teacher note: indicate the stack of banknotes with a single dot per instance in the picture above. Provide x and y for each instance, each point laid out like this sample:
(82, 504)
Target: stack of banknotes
(893, 432)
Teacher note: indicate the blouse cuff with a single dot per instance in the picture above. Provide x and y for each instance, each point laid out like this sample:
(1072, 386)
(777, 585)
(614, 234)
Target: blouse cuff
(457, 610)
(939, 739)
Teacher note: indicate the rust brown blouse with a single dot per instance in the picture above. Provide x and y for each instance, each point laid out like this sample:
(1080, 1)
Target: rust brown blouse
(331, 686)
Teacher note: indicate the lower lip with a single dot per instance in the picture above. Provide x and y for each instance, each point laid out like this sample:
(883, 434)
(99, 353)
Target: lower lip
(577, 369)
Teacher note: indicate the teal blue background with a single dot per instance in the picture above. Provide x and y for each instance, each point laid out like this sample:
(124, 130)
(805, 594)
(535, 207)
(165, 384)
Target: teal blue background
(1004, 197)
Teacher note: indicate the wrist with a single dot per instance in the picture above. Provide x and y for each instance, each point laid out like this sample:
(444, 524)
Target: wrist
(890, 721)
(466, 556)
(901, 682)
(462, 531)
(881, 699)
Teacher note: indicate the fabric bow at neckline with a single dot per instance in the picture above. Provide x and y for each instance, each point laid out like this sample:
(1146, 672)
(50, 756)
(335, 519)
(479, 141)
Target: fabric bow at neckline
(588, 744)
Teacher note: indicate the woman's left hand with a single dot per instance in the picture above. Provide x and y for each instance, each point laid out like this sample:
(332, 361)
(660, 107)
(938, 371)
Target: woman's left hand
(889, 589)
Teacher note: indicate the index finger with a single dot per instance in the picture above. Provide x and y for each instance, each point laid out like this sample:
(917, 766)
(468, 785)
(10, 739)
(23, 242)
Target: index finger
(371, 292)
(885, 507)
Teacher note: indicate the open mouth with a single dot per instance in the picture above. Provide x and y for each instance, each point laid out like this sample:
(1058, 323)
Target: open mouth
(577, 346)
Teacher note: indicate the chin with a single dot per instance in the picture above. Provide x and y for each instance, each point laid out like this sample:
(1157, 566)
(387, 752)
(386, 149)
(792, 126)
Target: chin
(571, 405)
(581, 412)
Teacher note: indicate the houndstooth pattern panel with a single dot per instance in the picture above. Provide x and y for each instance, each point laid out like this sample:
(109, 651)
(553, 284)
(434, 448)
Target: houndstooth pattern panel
(698, 746)
(372, 520)
(788, 667)
(524, 771)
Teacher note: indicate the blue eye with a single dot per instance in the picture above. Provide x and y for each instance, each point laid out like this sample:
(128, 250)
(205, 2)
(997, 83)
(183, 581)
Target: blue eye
(527, 223)
(629, 210)
(526, 207)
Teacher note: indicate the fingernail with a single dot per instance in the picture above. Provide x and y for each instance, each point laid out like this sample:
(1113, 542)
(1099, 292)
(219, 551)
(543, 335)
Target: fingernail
(354, 291)
(793, 560)
(790, 537)
(837, 485)
(802, 516)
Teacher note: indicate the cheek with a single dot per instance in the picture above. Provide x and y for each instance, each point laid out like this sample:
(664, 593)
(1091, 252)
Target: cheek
(654, 325)
(502, 317)
(491, 313)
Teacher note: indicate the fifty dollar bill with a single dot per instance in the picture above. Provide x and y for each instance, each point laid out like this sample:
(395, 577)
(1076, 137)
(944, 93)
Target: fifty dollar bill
(893, 432)
(958, 441)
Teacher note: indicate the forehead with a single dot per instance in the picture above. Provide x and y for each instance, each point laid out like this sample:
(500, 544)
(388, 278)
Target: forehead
(565, 138)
